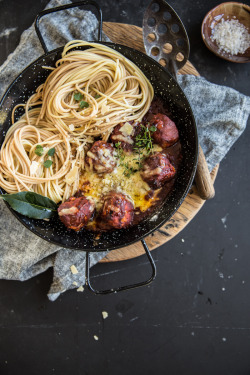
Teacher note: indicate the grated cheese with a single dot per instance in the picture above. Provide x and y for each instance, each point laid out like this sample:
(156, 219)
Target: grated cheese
(231, 36)
(34, 167)
(71, 176)
(127, 129)
(105, 108)
(94, 185)
(105, 314)
(72, 127)
(80, 148)
(80, 289)
(73, 269)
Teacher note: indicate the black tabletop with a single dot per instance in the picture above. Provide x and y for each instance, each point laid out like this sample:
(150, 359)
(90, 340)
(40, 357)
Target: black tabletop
(195, 317)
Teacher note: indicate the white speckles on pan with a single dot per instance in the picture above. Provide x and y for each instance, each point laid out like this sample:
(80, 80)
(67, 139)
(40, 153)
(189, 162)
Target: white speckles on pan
(170, 92)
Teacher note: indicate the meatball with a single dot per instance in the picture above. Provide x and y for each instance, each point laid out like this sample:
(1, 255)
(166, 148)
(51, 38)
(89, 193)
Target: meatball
(166, 133)
(100, 158)
(157, 106)
(117, 211)
(125, 133)
(157, 170)
(75, 212)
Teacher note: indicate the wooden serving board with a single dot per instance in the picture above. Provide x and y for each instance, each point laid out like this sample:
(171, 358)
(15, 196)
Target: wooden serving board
(131, 36)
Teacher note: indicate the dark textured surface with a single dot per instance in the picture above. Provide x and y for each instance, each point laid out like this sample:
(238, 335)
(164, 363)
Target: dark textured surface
(194, 319)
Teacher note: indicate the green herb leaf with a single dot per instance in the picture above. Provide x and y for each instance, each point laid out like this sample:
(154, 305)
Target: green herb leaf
(144, 140)
(47, 163)
(84, 104)
(153, 128)
(39, 150)
(128, 171)
(120, 152)
(97, 96)
(30, 204)
(51, 151)
(78, 96)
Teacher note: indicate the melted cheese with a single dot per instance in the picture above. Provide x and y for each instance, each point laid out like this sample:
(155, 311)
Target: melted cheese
(91, 155)
(68, 211)
(123, 138)
(149, 172)
(95, 185)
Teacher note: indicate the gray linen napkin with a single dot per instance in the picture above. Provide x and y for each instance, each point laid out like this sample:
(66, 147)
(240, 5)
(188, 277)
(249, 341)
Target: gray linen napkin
(221, 120)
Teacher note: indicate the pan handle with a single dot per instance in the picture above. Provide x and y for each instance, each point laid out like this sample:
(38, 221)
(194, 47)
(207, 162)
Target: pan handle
(63, 7)
(125, 287)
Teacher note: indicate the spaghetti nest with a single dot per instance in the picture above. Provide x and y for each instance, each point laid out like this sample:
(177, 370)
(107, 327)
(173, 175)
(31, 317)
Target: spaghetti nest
(88, 93)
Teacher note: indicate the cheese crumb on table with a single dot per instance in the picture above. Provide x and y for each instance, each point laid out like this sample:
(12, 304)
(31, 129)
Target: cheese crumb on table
(73, 269)
(105, 314)
(80, 289)
(231, 36)
(96, 337)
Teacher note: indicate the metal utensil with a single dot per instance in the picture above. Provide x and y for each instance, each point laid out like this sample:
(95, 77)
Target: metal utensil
(166, 41)
(164, 35)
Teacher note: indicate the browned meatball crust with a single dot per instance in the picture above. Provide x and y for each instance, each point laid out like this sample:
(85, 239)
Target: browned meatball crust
(157, 170)
(100, 158)
(75, 212)
(117, 211)
(166, 133)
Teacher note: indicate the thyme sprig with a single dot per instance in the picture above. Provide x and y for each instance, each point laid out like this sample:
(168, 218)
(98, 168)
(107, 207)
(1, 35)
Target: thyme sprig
(119, 151)
(144, 139)
(143, 142)
(128, 170)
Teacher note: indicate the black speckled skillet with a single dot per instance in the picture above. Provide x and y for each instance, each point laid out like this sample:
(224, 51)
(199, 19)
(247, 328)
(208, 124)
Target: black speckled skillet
(165, 87)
